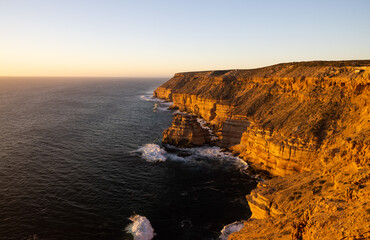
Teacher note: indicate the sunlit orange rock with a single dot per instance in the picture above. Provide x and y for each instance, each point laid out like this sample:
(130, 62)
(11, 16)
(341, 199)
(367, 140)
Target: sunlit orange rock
(307, 124)
(185, 132)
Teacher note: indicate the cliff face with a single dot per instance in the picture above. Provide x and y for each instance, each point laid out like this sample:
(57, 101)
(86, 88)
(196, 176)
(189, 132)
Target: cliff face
(308, 122)
(281, 116)
(310, 205)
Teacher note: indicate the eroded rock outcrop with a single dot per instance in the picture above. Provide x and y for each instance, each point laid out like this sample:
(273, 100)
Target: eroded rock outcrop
(310, 205)
(309, 124)
(278, 154)
(186, 131)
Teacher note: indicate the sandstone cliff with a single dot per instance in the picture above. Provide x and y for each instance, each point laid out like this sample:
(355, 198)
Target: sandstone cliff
(308, 122)
(186, 131)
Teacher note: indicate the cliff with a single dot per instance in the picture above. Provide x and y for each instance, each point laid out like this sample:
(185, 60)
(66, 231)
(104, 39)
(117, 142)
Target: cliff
(307, 122)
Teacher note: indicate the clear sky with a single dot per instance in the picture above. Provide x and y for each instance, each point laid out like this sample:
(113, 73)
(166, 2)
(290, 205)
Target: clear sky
(160, 37)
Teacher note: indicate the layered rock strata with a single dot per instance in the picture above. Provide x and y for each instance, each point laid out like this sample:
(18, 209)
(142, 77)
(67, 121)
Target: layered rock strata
(310, 206)
(279, 155)
(309, 124)
(186, 131)
(232, 131)
(295, 108)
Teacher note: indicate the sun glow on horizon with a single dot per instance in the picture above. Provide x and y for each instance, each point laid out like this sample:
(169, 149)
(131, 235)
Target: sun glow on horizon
(157, 39)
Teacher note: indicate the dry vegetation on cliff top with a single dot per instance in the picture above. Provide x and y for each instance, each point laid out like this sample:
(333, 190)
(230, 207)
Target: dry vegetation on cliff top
(307, 118)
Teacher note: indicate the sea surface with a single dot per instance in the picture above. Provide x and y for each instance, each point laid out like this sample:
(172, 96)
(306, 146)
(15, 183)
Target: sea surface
(78, 157)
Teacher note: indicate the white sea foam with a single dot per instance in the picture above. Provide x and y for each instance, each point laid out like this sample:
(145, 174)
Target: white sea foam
(140, 228)
(215, 152)
(163, 109)
(203, 124)
(151, 91)
(231, 228)
(150, 98)
(166, 103)
(175, 112)
(162, 104)
(153, 153)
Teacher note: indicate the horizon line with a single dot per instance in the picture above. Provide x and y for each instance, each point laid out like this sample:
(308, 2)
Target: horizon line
(43, 76)
(186, 71)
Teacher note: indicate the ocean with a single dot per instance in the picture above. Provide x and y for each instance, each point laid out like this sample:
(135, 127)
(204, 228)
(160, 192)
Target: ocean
(78, 157)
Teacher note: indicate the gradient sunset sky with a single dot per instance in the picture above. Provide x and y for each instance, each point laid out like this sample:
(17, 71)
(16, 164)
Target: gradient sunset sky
(158, 38)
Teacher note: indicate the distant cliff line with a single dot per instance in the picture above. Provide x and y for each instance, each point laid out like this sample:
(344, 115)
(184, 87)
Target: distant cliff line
(307, 121)
(334, 63)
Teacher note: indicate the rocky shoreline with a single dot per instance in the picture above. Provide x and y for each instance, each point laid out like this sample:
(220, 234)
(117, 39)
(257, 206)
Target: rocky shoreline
(307, 124)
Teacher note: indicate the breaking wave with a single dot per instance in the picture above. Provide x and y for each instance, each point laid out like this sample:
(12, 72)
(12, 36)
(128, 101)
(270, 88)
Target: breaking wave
(150, 98)
(140, 228)
(155, 153)
(215, 153)
(162, 104)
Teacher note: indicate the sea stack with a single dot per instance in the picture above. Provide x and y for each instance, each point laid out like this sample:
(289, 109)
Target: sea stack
(186, 131)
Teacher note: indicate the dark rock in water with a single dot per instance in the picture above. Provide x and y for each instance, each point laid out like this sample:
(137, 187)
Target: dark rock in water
(173, 107)
(184, 154)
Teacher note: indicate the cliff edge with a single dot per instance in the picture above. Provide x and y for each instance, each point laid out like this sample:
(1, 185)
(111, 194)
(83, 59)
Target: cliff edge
(307, 124)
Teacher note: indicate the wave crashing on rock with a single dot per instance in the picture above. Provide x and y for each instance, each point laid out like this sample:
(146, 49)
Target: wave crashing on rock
(153, 153)
(163, 105)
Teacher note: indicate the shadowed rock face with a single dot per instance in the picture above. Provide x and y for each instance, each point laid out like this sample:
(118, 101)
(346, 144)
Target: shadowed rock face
(308, 122)
(232, 131)
(185, 132)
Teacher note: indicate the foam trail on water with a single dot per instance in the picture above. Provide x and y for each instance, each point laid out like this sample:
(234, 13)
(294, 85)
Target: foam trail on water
(151, 91)
(213, 153)
(163, 105)
(150, 98)
(153, 153)
(163, 109)
(140, 228)
(166, 103)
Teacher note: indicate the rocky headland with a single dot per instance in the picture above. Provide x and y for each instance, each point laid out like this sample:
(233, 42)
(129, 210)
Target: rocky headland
(306, 124)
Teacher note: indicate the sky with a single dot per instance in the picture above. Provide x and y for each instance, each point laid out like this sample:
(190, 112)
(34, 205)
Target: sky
(157, 38)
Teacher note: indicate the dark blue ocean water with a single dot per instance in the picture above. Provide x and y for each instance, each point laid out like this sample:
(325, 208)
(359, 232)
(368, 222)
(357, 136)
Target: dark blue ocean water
(69, 170)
